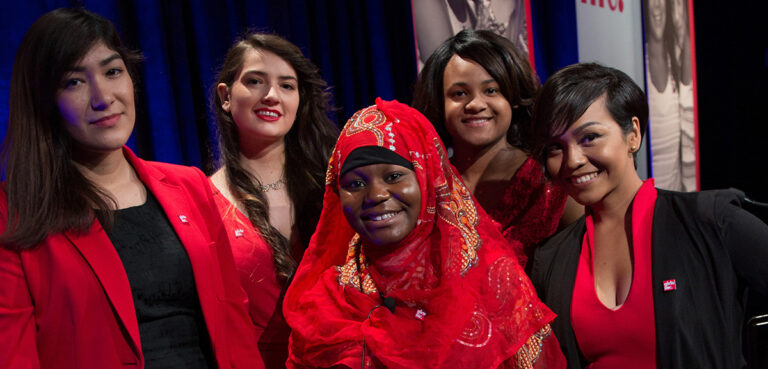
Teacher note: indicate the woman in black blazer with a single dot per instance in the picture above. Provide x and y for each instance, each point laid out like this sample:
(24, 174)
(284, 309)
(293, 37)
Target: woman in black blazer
(648, 278)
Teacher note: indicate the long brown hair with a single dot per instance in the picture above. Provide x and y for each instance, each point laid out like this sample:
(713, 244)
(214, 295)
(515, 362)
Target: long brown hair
(308, 146)
(46, 193)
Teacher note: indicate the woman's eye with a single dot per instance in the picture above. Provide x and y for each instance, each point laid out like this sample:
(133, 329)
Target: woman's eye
(253, 81)
(589, 137)
(491, 90)
(393, 177)
(458, 94)
(289, 86)
(114, 72)
(72, 82)
(553, 149)
(353, 184)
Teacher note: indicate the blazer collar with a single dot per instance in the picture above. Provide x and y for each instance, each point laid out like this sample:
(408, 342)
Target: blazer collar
(146, 173)
(99, 252)
(185, 216)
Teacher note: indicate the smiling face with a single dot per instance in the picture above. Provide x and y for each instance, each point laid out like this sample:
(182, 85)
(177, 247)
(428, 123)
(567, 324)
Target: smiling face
(96, 101)
(593, 158)
(263, 99)
(476, 113)
(381, 202)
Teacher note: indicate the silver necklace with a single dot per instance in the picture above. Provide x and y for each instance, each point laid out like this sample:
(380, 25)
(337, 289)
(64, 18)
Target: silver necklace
(280, 183)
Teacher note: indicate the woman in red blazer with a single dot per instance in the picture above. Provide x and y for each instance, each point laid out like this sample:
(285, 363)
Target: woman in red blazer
(106, 260)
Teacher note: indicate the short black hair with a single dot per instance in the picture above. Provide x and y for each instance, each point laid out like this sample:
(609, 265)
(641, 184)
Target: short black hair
(569, 92)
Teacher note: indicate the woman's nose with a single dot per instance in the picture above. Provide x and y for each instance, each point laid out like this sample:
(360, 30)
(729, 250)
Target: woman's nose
(575, 158)
(271, 98)
(101, 95)
(377, 192)
(476, 105)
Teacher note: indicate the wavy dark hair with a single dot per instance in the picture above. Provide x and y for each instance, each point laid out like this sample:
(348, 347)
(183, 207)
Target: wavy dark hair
(46, 193)
(504, 62)
(569, 92)
(308, 146)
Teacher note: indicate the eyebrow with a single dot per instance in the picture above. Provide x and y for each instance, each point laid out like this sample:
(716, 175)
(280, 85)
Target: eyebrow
(487, 81)
(264, 74)
(584, 126)
(105, 61)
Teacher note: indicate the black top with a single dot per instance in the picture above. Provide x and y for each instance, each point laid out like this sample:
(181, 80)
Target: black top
(712, 248)
(171, 326)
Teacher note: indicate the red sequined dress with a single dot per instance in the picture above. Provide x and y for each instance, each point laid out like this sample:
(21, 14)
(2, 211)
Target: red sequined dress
(532, 207)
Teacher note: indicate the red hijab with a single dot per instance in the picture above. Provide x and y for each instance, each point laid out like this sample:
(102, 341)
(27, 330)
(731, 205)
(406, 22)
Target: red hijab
(463, 300)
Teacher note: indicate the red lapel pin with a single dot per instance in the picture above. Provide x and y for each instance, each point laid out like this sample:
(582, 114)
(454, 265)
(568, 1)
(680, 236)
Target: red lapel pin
(670, 285)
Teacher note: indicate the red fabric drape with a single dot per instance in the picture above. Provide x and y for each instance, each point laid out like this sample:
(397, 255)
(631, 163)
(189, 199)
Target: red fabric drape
(462, 300)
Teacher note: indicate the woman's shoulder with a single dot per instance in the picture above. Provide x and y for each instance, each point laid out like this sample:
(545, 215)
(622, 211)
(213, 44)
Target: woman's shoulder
(188, 177)
(530, 194)
(707, 203)
(166, 172)
(574, 230)
(176, 171)
(560, 247)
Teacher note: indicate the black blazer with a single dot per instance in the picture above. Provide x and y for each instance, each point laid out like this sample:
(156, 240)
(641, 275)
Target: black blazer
(711, 247)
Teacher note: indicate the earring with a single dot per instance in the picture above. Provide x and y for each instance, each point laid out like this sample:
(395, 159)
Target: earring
(633, 148)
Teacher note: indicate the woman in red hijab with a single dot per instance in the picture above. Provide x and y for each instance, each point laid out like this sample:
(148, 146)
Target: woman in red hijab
(405, 270)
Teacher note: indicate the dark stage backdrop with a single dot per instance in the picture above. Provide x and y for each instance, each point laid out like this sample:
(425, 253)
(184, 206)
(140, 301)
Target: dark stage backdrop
(365, 49)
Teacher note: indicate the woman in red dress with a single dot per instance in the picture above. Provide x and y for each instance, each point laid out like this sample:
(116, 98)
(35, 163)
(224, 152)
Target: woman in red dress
(405, 270)
(275, 140)
(477, 88)
(648, 278)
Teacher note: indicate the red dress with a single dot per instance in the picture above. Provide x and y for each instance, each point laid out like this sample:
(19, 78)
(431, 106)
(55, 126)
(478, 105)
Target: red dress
(532, 207)
(624, 337)
(254, 263)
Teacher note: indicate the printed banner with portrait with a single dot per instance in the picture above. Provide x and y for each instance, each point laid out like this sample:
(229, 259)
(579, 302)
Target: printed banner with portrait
(437, 20)
(610, 32)
(670, 67)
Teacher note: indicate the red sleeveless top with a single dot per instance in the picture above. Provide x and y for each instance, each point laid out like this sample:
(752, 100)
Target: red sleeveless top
(624, 337)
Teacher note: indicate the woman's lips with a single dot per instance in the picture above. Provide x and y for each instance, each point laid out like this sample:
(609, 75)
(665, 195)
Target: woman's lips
(107, 121)
(584, 178)
(268, 115)
(381, 219)
(476, 122)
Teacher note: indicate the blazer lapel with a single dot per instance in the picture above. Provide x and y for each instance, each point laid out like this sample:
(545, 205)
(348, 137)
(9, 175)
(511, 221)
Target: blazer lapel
(100, 254)
(186, 220)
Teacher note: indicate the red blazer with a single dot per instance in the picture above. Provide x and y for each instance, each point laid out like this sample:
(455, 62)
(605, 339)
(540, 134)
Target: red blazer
(67, 303)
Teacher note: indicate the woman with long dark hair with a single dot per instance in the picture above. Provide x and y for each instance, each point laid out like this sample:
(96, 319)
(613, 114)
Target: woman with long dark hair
(477, 89)
(106, 260)
(275, 140)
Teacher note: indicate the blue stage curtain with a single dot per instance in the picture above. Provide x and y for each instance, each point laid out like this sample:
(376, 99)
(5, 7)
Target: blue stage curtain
(555, 42)
(365, 49)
